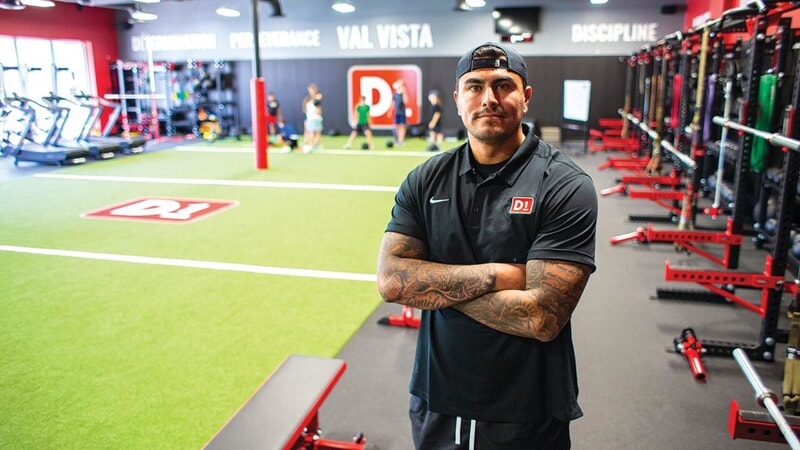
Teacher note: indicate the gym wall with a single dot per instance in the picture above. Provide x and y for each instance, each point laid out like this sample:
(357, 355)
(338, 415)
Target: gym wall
(96, 26)
(389, 29)
(288, 79)
(311, 43)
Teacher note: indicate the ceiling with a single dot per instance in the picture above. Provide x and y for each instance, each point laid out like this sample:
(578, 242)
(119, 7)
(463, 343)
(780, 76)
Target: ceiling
(278, 4)
(123, 4)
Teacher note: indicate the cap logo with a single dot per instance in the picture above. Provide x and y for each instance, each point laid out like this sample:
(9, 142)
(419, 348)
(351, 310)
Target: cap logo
(499, 57)
(486, 63)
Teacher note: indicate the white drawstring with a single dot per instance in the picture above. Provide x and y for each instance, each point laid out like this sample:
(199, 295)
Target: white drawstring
(472, 434)
(472, 426)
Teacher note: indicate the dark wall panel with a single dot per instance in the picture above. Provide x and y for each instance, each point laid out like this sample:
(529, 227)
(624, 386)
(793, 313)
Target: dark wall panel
(289, 79)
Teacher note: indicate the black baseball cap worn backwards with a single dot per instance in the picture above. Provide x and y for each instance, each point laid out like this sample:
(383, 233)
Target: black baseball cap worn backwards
(513, 62)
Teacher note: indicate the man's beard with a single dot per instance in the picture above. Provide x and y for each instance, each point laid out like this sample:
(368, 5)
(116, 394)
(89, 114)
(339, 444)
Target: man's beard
(492, 134)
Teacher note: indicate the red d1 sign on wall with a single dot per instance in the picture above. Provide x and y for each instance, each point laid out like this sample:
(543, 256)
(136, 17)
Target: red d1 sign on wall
(375, 83)
(167, 210)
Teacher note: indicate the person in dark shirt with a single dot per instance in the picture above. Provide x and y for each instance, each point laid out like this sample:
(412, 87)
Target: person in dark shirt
(274, 115)
(435, 134)
(494, 241)
(400, 102)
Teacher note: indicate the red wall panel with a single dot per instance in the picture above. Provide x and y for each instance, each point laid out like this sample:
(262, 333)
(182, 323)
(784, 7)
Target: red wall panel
(715, 8)
(95, 26)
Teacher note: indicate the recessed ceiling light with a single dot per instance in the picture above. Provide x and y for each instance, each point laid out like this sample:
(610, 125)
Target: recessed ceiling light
(343, 6)
(143, 16)
(39, 3)
(227, 11)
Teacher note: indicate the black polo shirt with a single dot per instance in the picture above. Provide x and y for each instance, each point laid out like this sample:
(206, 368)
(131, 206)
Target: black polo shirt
(539, 205)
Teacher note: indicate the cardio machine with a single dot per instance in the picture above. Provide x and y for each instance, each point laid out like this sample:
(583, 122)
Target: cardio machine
(72, 120)
(27, 140)
(130, 145)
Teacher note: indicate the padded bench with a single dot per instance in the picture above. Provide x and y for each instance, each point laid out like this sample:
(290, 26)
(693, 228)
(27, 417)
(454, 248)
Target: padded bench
(282, 414)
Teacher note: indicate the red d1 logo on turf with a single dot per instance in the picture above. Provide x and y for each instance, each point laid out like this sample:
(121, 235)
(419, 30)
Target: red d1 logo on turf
(375, 84)
(521, 205)
(167, 210)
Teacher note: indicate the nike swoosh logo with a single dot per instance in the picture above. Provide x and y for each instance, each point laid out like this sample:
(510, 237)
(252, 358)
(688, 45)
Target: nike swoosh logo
(438, 200)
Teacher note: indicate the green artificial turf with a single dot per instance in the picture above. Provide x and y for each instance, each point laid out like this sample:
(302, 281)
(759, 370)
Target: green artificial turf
(105, 354)
(337, 142)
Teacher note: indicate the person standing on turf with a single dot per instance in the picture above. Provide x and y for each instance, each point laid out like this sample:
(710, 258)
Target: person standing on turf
(363, 118)
(494, 241)
(274, 115)
(399, 103)
(312, 108)
(435, 134)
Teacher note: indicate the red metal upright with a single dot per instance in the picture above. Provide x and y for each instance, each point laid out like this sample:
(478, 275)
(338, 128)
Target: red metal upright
(259, 108)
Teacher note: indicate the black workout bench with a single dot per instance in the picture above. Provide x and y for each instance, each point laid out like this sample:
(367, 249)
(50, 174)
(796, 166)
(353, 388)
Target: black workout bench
(283, 412)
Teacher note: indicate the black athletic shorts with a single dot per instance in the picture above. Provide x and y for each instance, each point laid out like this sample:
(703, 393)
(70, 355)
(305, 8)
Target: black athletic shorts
(434, 431)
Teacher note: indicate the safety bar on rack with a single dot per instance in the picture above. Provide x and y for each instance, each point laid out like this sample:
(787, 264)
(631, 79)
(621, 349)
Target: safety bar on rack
(766, 398)
(687, 161)
(773, 138)
(753, 6)
(676, 36)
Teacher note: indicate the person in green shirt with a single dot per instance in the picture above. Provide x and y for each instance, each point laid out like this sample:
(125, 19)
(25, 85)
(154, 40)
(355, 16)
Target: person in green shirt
(362, 124)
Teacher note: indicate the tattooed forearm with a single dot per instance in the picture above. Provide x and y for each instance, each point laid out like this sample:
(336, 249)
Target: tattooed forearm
(553, 289)
(405, 277)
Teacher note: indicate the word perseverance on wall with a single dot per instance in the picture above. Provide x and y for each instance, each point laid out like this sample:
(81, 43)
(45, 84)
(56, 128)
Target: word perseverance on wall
(349, 37)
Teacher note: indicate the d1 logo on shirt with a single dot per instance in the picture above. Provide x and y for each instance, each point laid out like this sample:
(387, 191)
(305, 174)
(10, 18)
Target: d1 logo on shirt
(521, 205)
(375, 84)
(168, 210)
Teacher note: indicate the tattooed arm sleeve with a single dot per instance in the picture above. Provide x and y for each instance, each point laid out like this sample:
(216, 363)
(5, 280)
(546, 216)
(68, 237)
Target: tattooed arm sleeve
(539, 311)
(405, 277)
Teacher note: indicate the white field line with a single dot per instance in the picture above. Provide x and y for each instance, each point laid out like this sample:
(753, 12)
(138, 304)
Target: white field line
(209, 149)
(216, 182)
(194, 264)
(218, 149)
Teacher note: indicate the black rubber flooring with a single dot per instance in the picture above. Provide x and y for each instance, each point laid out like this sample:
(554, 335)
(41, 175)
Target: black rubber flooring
(635, 394)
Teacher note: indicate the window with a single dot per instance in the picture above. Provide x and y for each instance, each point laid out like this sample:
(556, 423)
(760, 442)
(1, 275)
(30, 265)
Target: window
(34, 68)
(71, 68)
(10, 76)
(36, 63)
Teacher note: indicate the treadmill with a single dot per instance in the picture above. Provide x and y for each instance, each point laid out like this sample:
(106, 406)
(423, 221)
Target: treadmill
(25, 143)
(71, 128)
(130, 145)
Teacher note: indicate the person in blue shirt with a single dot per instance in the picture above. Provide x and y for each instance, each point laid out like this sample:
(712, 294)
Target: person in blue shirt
(400, 101)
